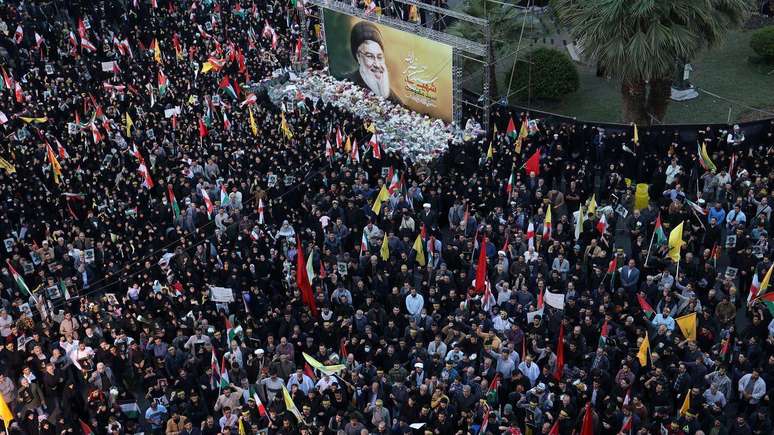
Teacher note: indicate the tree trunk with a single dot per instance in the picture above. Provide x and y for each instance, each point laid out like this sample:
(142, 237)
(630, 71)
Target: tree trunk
(658, 97)
(492, 75)
(633, 98)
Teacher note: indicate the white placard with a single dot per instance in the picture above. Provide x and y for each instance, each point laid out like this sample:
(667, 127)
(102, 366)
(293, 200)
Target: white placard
(221, 294)
(168, 113)
(107, 66)
(555, 300)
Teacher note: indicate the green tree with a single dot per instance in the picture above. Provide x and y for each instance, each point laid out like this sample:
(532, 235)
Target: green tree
(762, 42)
(548, 73)
(505, 24)
(641, 42)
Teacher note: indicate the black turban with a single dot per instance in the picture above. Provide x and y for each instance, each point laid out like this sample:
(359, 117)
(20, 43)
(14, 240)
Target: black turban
(361, 32)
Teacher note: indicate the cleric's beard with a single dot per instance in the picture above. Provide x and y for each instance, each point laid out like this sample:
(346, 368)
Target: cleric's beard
(380, 87)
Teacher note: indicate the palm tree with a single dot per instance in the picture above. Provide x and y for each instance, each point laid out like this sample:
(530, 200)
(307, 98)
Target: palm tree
(640, 42)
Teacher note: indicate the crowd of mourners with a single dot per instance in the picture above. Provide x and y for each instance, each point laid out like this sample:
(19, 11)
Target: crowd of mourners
(153, 216)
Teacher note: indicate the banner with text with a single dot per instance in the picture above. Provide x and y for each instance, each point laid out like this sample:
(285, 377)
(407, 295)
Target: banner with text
(410, 70)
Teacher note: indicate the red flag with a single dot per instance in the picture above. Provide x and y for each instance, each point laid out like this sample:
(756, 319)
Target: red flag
(588, 421)
(560, 354)
(202, 129)
(343, 351)
(85, 429)
(602, 225)
(81, 28)
(612, 266)
(495, 384)
(302, 279)
(298, 50)
(627, 426)
(19, 93)
(377, 152)
(555, 428)
(481, 269)
(533, 163)
(308, 371)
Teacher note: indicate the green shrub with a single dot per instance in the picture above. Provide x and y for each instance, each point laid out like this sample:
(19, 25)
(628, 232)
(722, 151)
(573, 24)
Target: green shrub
(762, 42)
(550, 74)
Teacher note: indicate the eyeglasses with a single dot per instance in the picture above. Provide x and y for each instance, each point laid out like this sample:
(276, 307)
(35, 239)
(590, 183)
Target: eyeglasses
(371, 58)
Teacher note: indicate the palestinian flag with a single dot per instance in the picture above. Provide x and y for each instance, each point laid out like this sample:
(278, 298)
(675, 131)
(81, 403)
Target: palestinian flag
(660, 235)
(224, 380)
(19, 280)
(646, 308)
(202, 129)
(231, 332)
(509, 186)
(603, 334)
(224, 198)
(163, 83)
(511, 130)
(173, 202)
(768, 300)
(226, 87)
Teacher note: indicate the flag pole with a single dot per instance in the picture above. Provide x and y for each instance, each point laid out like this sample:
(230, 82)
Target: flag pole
(652, 236)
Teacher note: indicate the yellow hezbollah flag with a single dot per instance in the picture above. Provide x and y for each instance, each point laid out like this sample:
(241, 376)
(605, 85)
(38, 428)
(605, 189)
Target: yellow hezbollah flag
(765, 283)
(644, 350)
(9, 168)
(686, 403)
(317, 365)
(490, 152)
(291, 407)
(413, 14)
(383, 195)
(285, 128)
(156, 51)
(39, 120)
(5, 413)
(592, 208)
(253, 127)
(636, 135)
(347, 145)
(418, 248)
(579, 223)
(129, 125)
(675, 243)
(385, 250)
(55, 166)
(687, 325)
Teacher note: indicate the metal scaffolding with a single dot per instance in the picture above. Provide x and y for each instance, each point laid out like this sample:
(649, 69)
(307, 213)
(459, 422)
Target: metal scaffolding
(461, 47)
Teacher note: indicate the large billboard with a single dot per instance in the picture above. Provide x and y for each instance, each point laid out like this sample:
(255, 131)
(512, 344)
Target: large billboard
(405, 68)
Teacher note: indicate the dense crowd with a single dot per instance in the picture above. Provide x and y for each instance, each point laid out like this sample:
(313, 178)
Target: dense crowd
(183, 256)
